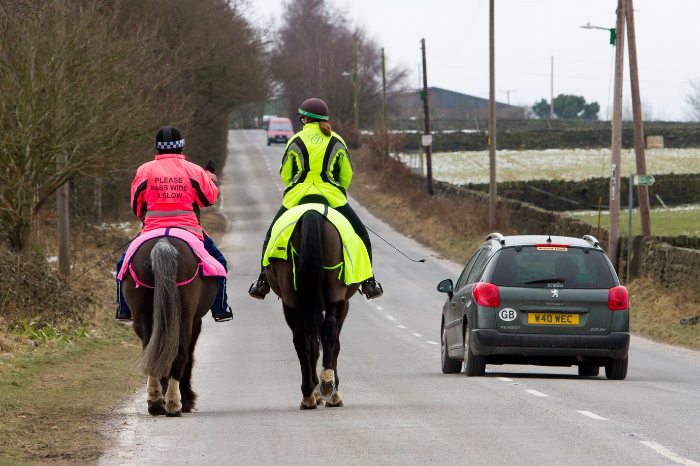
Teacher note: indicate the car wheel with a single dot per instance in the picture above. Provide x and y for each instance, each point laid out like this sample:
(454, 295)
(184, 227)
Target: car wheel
(474, 366)
(268, 142)
(449, 366)
(587, 370)
(616, 369)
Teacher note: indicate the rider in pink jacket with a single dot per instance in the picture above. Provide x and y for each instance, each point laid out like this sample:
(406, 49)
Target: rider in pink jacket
(168, 192)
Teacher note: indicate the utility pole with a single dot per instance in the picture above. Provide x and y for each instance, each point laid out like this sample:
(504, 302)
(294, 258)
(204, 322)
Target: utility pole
(613, 251)
(386, 129)
(507, 93)
(62, 206)
(355, 78)
(426, 111)
(492, 123)
(551, 92)
(642, 190)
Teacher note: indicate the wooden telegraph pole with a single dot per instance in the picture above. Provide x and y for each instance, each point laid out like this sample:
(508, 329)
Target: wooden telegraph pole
(613, 250)
(356, 79)
(385, 123)
(492, 124)
(426, 110)
(642, 190)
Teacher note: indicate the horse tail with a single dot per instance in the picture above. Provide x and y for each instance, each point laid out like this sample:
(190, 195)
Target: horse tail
(309, 278)
(162, 348)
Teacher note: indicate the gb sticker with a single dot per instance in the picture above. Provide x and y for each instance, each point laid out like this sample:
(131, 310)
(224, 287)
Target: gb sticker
(507, 314)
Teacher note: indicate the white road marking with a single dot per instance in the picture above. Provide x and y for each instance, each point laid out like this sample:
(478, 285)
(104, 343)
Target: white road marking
(390, 318)
(505, 379)
(536, 393)
(431, 342)
(401, 326)
(663, 451)
(417, 335)
(593, 415)
(379, 308)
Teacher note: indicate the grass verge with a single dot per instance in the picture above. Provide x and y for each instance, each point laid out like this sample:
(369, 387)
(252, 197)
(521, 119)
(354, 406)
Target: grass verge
(455, 228)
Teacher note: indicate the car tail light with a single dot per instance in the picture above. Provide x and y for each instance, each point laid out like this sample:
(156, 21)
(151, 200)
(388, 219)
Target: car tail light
(486, 294)
(618, 299)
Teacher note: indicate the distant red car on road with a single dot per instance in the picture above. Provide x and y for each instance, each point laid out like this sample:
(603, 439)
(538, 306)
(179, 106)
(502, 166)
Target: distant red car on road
(279, 130)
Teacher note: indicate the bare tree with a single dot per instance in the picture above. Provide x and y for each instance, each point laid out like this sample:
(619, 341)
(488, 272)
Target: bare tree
(693, 100)
(68, 87)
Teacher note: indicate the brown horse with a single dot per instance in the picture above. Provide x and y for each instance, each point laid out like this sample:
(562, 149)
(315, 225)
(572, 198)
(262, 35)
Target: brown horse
(168, 319)
(318, 288)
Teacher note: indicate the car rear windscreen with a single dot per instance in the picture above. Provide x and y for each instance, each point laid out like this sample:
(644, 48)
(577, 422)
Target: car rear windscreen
(542, 267)
(280, 127)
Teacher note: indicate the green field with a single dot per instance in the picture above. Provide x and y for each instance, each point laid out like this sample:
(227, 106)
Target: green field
(682, 220)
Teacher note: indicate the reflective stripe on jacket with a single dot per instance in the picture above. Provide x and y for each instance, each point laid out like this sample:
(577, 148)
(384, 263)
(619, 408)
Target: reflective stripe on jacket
(168, 192)
(314, 163)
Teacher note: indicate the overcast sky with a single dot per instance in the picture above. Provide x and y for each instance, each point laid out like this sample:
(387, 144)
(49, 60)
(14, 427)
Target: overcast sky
(528, 33)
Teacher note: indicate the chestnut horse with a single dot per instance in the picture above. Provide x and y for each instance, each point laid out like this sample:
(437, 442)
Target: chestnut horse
(168, 319)
(306, 292)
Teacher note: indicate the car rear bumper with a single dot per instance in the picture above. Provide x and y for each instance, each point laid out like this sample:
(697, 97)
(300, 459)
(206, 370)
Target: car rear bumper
(487, 342)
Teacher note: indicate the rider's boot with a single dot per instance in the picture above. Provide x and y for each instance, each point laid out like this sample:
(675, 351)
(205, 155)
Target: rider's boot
(123, 311)
(222, 315)
(261, 287)
(371, 288)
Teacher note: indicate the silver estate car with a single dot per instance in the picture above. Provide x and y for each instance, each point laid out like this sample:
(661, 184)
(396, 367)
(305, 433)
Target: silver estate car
(553, 301)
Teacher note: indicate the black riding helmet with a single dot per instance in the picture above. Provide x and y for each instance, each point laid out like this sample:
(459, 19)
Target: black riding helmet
(169, 140)
(315, 109)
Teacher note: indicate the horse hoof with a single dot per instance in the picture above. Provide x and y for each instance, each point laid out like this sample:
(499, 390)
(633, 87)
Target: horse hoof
(335, 402)
(156, 407)
(326, 389)
(177, 413)
(308, 403)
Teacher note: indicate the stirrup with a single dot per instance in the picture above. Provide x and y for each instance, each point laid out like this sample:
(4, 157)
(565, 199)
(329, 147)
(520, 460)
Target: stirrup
(259, 289)
(374, 290)
(225, 315)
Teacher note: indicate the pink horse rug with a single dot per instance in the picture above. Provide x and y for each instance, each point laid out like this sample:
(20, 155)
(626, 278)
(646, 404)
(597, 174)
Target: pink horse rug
(210, 267)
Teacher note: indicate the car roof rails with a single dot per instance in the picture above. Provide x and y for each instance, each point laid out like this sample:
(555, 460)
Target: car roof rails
(591, 239)
(496, 236)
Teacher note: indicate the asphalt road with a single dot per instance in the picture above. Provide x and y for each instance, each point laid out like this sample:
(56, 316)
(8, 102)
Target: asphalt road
(399, 407)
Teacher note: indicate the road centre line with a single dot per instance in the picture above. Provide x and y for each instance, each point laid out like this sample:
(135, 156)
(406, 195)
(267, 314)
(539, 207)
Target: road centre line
(390, 318)
(417, 335)
(505, 379)
(379, 308)
(663, 451)
(400, 326)
(593, 415)
(536, 393)
(430, 342)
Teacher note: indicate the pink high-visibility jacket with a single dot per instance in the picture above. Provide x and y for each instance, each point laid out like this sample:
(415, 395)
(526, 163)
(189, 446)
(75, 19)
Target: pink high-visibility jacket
(168, 192)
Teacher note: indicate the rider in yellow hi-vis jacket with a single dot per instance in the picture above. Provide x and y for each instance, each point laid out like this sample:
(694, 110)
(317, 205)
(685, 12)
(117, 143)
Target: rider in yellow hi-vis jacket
(316, 167)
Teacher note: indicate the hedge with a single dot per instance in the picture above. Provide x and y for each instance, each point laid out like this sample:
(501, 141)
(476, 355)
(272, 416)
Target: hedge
(677, 136)
(673, 190)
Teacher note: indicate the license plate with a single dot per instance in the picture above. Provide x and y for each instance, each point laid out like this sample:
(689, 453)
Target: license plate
(552, 319)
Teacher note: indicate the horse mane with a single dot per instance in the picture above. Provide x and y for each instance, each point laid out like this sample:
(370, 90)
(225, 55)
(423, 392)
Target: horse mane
(310, 271)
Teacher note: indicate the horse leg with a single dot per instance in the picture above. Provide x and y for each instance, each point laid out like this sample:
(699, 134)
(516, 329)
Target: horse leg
(329, 337)
(173, 398)
(342, 308)
(314, 354)
(155, 397)
(189, 397)
(300, 344)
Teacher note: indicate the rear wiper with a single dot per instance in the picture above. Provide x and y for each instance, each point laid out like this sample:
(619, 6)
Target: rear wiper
(547, 280)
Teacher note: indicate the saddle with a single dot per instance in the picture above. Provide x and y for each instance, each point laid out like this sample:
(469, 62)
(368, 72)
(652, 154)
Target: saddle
(209, 266)
(356, 266)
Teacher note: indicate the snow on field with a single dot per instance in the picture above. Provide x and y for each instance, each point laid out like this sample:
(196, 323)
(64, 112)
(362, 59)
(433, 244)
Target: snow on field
(560, 164)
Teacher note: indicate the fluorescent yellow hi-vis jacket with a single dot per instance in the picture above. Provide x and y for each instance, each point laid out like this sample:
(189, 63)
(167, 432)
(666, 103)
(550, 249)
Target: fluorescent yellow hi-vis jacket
(314, 163)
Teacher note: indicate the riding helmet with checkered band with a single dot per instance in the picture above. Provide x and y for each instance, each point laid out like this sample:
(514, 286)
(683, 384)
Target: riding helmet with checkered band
(169, 140)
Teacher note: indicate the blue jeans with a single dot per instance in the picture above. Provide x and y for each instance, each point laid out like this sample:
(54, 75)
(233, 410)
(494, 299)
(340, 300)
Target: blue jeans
(221, 301)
